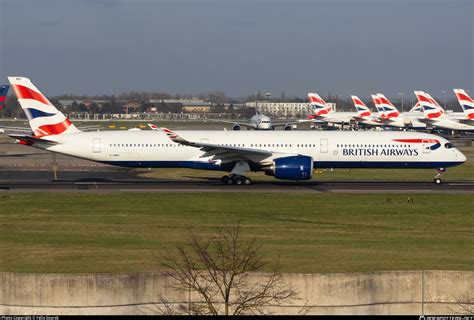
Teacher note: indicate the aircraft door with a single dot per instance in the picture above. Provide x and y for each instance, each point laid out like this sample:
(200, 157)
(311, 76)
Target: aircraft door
(323, 145)
(96, 145)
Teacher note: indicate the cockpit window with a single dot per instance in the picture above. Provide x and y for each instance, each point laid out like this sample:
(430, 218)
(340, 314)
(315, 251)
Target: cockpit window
(448, 145)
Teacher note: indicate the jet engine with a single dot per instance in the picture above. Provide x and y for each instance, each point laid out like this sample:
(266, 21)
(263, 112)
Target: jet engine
(287, 127)
(292, 168)
(236, 127)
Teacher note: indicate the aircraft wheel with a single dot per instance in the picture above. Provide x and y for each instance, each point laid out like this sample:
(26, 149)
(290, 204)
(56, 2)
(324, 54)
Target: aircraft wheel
(438, 181)
(237, 180)
(225, 179)
(247, 181)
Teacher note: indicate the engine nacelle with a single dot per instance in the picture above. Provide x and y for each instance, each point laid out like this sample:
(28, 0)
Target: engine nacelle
(287, 127)
(292, 168)
(236, 127)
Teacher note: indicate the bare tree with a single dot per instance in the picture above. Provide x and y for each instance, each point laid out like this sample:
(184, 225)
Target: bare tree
(464, 306)
(218, 271)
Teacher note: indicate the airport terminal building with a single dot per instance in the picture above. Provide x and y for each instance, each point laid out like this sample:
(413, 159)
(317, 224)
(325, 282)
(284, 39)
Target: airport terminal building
(284, 109)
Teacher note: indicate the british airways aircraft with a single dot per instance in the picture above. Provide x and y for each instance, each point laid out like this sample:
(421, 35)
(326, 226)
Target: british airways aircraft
(3, 95)
(436, 116)
(324, 112)
(260, 122)
(364, 115)
(286, 155)
(391, 117)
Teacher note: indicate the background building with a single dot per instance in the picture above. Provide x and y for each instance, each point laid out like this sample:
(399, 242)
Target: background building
(284, 109)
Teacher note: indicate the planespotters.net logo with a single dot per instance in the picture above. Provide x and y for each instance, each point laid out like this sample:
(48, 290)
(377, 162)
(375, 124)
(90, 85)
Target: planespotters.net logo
(447, 317)
(32, 317)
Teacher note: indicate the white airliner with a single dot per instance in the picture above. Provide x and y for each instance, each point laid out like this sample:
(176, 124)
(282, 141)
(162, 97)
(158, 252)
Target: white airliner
(260, 122)
(324, 112)
(391, 117)
(467, 105)
(436, 116)
(290, 155)
(364, 115)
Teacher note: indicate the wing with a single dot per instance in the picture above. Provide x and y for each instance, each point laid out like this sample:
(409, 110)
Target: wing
(245, 124)
(90, 128)
(288, 123)
(227, 154)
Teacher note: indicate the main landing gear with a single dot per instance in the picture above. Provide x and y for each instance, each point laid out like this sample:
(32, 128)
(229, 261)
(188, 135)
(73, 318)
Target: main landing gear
(236, 179)
(437, 179)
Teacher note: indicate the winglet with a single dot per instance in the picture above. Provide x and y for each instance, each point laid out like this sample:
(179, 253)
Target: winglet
(153, 127)
(173, 136)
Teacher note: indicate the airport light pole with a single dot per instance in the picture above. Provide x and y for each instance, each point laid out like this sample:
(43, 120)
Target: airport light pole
(401, 94)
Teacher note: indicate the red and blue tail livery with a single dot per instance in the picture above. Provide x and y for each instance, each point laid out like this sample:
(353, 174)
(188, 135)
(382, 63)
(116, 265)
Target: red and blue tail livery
(44, 118)
(3, 95)
(431, 108)
(466, 102)
(390, 111)
(318, 105)
(362, 110)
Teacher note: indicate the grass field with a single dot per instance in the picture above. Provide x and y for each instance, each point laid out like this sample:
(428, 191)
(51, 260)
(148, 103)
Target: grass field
(75, 233)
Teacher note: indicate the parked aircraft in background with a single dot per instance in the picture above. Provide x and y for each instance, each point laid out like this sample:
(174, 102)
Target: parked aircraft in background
(284, 155)
(467, 105)
(260, 122)
(3, 95)
(364, 115)
(392, 117)
(324, 112)
(436, 116)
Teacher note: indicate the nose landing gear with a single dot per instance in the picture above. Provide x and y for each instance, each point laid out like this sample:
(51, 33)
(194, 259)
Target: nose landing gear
(437, 179)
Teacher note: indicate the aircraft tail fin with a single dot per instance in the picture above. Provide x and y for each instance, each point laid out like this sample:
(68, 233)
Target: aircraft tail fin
(153, 127)
(431, 107)
(362, 110)
(466, 102)
(390, 110)
(417, 108)
(378, 106)
(3, 95)
(44, 118)
(318, 105)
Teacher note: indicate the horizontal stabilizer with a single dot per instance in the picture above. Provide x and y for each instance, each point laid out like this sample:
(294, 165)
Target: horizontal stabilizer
(30, 140)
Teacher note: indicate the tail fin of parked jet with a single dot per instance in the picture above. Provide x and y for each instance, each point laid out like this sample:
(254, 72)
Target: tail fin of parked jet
(390, 110)
(362, 110)
(43, 117)
(3, 95)
(378, 106)
(417, 108)
(318, 105)
(153, 127)
(431, 107)
(466, 102)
